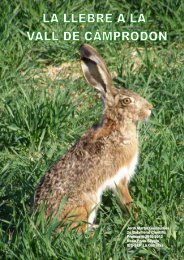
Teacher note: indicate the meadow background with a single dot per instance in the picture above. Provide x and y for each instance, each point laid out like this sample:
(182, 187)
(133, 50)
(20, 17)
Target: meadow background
(46, 105)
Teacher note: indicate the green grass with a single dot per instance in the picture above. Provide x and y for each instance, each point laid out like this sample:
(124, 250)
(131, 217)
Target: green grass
(42, 118)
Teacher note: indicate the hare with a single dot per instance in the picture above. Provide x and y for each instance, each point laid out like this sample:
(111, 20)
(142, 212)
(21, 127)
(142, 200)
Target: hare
(104, 158)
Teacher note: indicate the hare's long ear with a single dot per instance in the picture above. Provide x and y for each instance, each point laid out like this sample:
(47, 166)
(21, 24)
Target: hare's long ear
(95, 70)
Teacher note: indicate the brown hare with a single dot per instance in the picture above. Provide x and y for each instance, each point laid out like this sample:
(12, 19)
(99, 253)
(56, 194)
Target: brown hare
(104, 158)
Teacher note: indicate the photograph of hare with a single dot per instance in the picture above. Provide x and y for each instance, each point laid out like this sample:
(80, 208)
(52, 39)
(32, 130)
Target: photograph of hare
(104, 158)
(91, 136)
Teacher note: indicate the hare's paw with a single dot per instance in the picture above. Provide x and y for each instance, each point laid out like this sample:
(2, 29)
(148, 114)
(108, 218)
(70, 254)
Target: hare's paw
(132, 209)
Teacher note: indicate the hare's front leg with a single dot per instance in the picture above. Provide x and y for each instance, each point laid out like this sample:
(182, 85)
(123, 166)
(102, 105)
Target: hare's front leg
(123, 195)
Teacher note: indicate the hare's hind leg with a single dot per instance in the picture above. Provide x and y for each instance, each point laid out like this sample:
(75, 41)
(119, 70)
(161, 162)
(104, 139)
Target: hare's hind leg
(77, 218)
(91, 218)
(80, 217)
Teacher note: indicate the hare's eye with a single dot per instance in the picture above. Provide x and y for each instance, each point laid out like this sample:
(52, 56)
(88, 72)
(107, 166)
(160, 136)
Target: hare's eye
(127, 101)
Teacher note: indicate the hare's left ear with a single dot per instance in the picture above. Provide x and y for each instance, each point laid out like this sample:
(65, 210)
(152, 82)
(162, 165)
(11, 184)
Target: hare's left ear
(95, 70)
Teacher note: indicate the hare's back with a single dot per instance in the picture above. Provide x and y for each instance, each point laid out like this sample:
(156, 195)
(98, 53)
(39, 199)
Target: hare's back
(68, 174)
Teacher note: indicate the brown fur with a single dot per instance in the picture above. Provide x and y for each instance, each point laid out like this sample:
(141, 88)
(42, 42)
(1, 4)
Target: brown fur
(100, 153)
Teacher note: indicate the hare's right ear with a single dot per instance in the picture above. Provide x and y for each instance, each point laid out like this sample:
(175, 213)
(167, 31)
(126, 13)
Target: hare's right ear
(95, 70)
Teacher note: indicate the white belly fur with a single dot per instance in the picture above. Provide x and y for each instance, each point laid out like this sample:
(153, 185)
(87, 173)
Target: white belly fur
(126, 171)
